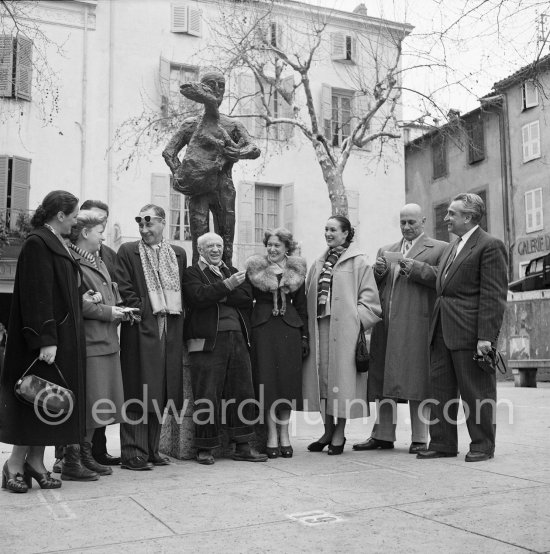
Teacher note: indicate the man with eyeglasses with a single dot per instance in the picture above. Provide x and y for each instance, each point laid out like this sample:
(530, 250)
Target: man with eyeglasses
(399, 369)
(149, 275)
(217, 332)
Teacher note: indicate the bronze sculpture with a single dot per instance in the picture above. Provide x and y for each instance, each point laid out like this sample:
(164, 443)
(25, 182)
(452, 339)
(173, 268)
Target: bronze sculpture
(214, 143)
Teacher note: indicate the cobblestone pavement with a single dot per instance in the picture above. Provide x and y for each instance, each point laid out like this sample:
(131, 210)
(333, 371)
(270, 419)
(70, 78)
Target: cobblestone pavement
(382, 501)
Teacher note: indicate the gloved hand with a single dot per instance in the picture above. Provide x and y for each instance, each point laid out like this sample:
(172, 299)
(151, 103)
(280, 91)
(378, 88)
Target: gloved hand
(305, 347)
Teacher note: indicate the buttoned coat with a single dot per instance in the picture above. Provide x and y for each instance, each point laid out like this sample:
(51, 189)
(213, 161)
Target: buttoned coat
(100, 329)
(399, 366)
(45, 311)
(140, 347)
(354, 299)
(471, 299)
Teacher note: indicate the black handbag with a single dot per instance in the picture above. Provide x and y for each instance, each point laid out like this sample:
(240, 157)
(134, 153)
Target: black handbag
(362, 356)
(53, 399)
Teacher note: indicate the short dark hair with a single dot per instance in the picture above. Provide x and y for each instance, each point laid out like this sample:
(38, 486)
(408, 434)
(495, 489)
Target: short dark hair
(284, 235)
(345, 225)
(89, 204)
(53, 203)
(157, 209)
(473, 205)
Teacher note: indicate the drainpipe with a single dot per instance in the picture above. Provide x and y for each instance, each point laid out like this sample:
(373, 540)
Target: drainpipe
(84, 108)
(110, 131)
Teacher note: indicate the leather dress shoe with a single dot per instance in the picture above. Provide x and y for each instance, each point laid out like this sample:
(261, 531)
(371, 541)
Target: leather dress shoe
(417, 447)
(373, 444)
(431, 454)
(158, 460)
(249, 456)
(479, 456)
(107, 460)
(137, 463)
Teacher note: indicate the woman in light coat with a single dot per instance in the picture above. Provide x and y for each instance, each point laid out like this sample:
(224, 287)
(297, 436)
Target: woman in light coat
(341, 293)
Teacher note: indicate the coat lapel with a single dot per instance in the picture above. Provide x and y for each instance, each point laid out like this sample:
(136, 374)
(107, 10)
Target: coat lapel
(463, 255)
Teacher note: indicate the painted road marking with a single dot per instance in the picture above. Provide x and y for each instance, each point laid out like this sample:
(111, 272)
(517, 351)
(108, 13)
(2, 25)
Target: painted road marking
(316, 517)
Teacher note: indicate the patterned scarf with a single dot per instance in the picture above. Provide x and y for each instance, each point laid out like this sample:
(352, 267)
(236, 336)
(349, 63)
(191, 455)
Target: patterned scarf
(85, 254)
(216, 269)
(325, 277)
(162, 278)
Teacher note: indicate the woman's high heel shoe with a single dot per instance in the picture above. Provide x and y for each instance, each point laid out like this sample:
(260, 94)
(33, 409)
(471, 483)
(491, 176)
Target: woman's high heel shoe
(286, 451)
(334, 450)
(45, 480)
(272, 452)
(14, 482)
(317, 446)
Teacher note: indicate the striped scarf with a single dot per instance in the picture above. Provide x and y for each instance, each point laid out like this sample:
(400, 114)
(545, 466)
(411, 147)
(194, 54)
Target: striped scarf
(325, 277)
(85, 254)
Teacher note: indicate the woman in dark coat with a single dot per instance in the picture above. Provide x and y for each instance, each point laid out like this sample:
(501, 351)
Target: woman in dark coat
(279, 334)
(45, 323)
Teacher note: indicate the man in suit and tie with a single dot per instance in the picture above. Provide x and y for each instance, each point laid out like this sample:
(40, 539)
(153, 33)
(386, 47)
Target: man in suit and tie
(471, 298)
(399, 368)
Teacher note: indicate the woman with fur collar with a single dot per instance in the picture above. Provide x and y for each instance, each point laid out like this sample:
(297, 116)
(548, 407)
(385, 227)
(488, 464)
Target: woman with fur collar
(279, 334)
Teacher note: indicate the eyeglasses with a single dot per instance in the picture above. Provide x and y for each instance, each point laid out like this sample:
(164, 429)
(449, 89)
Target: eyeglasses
(147, 218)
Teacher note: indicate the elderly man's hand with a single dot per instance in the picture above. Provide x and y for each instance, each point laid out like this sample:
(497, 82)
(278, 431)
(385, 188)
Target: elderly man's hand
(405, 266)
(236, 279)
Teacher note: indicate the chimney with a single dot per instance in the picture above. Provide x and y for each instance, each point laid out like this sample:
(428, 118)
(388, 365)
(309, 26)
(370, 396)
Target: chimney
(361, 9)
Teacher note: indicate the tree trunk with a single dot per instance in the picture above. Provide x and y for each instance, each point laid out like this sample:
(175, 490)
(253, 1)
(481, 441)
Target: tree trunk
(335, 183)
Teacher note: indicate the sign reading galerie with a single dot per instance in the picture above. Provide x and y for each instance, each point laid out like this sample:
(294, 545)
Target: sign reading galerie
(540, 243)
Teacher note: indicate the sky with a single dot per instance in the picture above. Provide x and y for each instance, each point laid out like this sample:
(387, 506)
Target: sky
(484, 41)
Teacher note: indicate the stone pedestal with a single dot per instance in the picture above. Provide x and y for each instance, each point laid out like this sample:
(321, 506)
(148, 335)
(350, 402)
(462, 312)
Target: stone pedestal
(176, 439)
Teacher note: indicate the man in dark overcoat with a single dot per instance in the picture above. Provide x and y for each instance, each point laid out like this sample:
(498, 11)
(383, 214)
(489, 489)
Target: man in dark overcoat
(399, 368)
(471, 286)
(148, 273)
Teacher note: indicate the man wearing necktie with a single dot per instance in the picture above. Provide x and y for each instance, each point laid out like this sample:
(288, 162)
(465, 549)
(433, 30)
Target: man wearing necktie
(471, 299)
(217, 332)
(399, 367)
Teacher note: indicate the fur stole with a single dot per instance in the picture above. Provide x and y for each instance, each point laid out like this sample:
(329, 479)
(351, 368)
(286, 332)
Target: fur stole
(262, 276)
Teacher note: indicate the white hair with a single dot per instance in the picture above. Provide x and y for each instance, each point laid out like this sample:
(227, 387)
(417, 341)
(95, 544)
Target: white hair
(207, 236)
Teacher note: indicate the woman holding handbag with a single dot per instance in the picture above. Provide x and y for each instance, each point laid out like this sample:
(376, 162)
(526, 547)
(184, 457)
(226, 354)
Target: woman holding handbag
(45, 324)
(341, 295)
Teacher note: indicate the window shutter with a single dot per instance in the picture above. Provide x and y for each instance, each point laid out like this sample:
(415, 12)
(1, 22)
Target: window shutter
(535, 139)
(361, 107)
(287, 110)
(23, 69)
(354, 49)
(326, 111)
(288, 207)
(538, 208)
(6, 65)
(160, 193)
(529, 211)
(337, 46)
(4, 165)
(525, 142)
(194, 22)
(245, 219)
(247, 90)
(20, 188)
(179, 21)
(530, 94)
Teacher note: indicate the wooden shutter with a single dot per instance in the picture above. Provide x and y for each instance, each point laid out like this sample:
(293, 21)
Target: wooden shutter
(337, 46)
(179, 21)
(246, 85)
(529, 211)
(6, 65)
(326, 111)
(530, 94)
(361, 107)
(23, 68)
(288, 207)
(525, 142)
(160, 192)
(245, 223)
(538, 209)
(476, 141)
(535, 139)
(194, 22)
(4, 171)
(286, 109)
(20, 188)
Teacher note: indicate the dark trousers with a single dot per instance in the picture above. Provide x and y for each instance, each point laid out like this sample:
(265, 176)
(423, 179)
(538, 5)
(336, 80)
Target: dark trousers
(454, 372)
(140, 439)
(222, 205)
(99, 442)
(223, 391)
